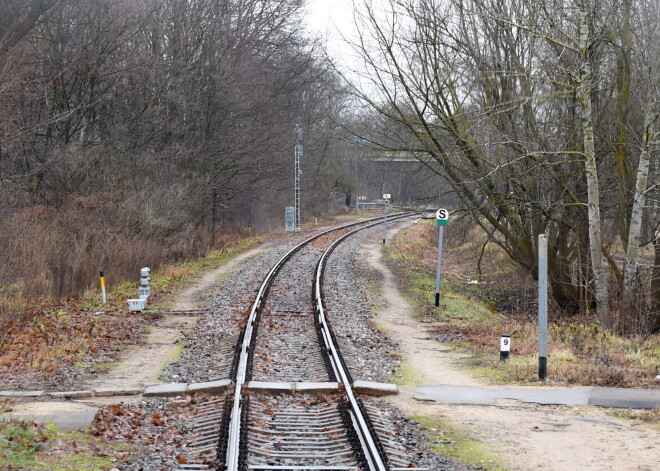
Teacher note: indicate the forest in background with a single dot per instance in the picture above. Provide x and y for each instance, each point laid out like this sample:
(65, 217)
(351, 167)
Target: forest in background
(139, 132)
(543, 116)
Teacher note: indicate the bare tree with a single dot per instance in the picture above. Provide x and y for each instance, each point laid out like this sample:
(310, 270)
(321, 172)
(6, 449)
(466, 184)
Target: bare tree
(134, 116)
(650, 58)
(511, 101)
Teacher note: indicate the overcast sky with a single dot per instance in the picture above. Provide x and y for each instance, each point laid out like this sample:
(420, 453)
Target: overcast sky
(331, 19)
(324, 14)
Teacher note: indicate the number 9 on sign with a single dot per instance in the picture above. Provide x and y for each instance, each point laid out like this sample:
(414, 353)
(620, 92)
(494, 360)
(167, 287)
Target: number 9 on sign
(505, 347)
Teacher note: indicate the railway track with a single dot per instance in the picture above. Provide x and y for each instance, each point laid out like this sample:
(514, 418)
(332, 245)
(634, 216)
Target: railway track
(288, 346)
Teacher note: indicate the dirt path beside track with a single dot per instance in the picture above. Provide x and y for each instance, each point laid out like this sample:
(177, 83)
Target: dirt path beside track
(141, 366)
(521, 437)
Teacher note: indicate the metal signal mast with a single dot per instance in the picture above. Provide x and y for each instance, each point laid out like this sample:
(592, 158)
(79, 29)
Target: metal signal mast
(298, 154)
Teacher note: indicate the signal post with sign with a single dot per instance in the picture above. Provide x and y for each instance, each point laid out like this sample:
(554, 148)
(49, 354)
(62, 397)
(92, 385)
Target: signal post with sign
(441, 217)
(387, 197)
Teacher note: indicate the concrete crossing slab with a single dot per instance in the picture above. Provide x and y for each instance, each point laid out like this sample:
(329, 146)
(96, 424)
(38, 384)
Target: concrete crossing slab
(559, 396)
(579, 396)
(625, 398)
(167, 389)
(455, 394)
(67, 416)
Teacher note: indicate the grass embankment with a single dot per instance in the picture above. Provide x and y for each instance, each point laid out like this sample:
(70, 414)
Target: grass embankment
(26, 445)
(479, 306)
(503, 301)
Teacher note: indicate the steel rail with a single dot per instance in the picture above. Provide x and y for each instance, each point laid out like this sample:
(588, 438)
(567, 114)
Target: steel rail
(375, 461)
(234, 435)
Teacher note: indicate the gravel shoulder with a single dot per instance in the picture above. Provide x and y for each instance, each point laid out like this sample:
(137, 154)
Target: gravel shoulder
(522, 436)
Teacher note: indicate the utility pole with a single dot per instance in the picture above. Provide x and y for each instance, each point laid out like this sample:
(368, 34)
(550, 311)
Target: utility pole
(298, 154)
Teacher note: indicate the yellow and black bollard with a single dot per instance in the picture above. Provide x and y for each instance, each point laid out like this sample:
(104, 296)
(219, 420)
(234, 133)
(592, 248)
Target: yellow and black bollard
(105, 300)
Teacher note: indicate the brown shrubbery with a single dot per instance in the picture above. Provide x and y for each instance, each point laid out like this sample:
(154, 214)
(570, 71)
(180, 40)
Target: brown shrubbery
(121, 147)
(62, 343)
(59, 251)
(581, 351)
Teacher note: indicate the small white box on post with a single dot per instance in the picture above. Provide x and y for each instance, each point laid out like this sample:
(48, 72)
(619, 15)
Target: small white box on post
(387, 197)
(505, 347)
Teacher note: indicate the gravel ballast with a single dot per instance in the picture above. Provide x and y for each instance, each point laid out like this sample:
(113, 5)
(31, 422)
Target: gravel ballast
(209, 348)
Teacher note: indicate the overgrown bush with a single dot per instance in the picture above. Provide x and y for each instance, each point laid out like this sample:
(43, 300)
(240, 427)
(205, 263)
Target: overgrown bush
(60, 250)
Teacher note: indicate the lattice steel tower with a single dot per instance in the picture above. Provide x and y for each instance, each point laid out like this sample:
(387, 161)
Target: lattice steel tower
(298, 154)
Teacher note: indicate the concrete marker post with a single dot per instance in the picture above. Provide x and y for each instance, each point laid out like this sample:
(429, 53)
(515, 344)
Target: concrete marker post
(105, 299)
(145, 278)
(543, 306)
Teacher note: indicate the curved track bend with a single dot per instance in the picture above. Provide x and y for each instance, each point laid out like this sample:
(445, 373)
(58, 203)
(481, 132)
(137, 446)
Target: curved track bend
(288, 344)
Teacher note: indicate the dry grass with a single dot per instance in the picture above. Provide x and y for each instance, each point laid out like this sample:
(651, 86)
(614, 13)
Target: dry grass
(58, 252)
(649, 417)
(54, 343)
(502, 302)
(49, 255)
(175, 272)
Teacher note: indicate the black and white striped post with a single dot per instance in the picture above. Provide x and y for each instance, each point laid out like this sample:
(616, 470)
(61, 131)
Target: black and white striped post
(441, 217)
(543, 306)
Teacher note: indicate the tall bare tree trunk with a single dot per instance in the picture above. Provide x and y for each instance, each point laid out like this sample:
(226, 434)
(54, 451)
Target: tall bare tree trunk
(584, 95)
(648, 152)
(631, 318)
(654, 321)
(624, 173)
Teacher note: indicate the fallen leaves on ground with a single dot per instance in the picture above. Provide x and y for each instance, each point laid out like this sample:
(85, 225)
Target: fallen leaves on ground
(54, 346)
